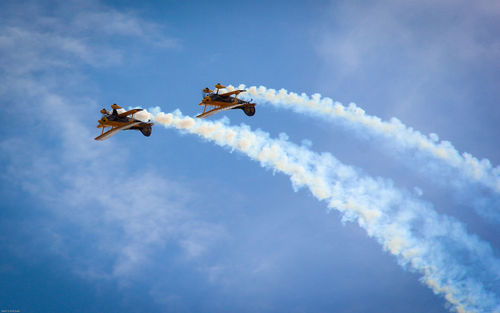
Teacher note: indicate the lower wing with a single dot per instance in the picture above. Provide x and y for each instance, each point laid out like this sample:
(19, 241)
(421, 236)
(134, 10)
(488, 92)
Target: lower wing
(213, 111)
(113, 131)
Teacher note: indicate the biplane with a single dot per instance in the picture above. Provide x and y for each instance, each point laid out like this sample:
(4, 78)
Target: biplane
(121, 121)
(224, 101)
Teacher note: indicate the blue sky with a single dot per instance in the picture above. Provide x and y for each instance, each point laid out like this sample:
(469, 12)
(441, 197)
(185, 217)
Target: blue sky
(173, 223)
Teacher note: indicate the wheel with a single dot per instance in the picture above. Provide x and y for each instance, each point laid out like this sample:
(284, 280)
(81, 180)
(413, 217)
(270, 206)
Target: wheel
(146, 131)
(250, 111)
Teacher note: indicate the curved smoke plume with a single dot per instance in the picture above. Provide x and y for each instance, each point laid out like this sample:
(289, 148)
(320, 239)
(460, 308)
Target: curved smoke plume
(455, 264)
(402, 138)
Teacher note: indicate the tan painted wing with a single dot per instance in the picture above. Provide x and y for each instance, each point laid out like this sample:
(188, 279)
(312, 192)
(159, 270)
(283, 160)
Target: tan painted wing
(234, 92)
(213, 111)
(113, 131)
(133, 111)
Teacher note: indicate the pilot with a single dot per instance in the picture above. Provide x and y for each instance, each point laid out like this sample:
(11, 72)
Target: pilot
(115, 106)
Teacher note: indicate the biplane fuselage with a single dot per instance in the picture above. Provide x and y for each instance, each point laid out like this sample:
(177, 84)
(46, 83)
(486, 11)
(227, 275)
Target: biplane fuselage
(121, 121)
(224, 101)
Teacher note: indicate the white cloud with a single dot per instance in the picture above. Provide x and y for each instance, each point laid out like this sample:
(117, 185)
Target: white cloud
(114, 23)
(403, 58)
(427, 31)
(129, 212)
(79, 34)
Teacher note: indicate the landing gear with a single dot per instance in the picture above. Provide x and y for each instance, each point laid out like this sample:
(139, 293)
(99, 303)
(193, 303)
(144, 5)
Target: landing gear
(146, 131)
(250, 110)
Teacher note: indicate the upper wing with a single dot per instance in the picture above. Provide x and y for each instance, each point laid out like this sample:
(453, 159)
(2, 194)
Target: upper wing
(113, 131)
(127, 113)
(234, 92)
(213, 111)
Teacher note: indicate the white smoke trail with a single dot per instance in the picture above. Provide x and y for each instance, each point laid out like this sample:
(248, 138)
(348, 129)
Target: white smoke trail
(471, 168)
(452, 263)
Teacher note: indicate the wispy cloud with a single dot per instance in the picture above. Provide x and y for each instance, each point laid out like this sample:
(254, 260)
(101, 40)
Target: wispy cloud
(114, 23)
(75, 34)
(128, 212)
(433, 64)
(460, 33)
